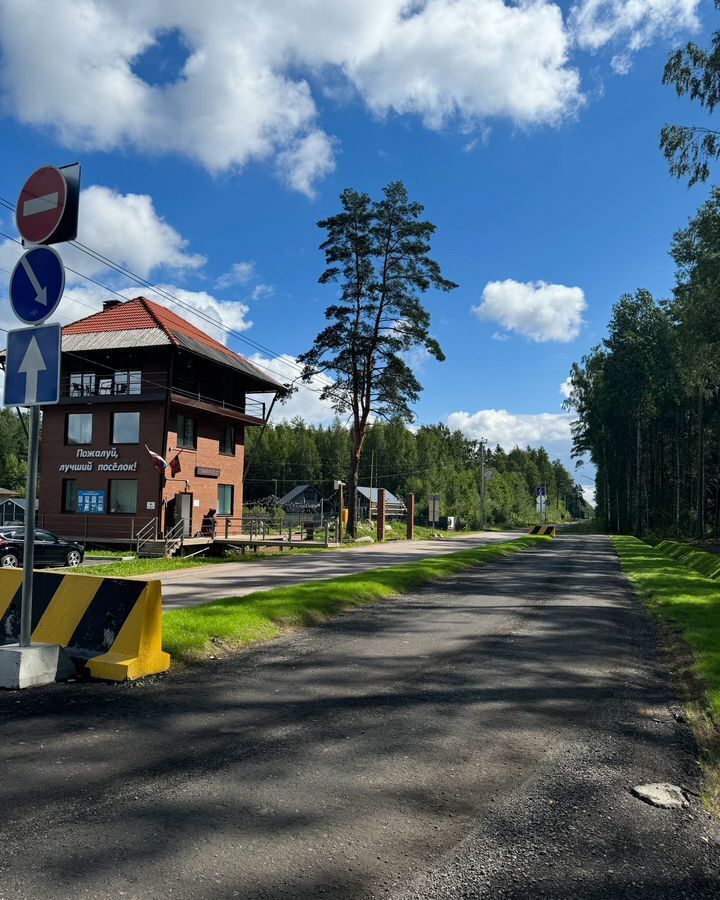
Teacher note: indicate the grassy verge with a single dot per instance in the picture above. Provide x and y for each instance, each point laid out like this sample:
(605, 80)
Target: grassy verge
(226, 625)
(106, 553)
(707, 564)
(121, 569)
(688, 606)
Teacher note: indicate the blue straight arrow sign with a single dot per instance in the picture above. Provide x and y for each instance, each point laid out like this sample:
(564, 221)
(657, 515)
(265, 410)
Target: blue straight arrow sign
(32, 368)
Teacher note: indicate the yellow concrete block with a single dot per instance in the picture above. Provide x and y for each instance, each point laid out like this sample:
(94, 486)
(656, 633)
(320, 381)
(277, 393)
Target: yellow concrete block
(137, 649)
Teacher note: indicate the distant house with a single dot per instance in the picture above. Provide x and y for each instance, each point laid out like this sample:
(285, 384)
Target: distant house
(367, 504)
(300, 499)
(12, 510)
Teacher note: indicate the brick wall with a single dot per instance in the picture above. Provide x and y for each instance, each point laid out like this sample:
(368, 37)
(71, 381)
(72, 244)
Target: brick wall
(204, 490)
(54, 453)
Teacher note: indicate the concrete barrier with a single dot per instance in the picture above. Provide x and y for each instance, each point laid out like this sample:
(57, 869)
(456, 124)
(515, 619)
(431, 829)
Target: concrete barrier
(112, 627)
(543, 529)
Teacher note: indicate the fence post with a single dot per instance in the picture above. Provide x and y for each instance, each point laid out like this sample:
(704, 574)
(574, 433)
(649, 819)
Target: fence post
(227, 527)
(410, 503)
(327, 534)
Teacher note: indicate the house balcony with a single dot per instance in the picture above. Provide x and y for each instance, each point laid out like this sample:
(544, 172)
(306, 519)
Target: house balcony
(113, 386)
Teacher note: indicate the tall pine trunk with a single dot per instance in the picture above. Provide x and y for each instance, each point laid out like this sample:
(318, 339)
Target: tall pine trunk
(701, 469)
(638, 480)
(353, 484)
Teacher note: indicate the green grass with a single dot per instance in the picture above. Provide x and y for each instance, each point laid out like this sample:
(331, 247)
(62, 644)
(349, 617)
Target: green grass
(688, 604)
(105, 553)
(224, 625)
(146, 566)
(707, 564)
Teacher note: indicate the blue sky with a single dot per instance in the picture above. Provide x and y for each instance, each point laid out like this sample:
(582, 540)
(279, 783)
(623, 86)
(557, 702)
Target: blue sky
(529, 132)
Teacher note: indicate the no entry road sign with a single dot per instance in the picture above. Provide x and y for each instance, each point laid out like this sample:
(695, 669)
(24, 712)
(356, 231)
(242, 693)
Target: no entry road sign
(47, 208)
(32, 368)
(36, 285)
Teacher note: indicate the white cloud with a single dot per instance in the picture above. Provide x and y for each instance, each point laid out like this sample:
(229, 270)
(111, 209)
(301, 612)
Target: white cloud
(621, 64)
(566, 388)
(499, 336)
(261, 291)
(243, 93)
(511, 429)
(307, 161)
(239, 273)
(127, 228)
(637, 23)
(588, 491)
(305, 402)
(540, 311)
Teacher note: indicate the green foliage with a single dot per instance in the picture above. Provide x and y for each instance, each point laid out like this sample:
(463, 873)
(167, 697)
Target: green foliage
(13, 451)
(695, 73)
(429, 460)
(378, 252)
(707, 564)
(189, 634)
(647, 399)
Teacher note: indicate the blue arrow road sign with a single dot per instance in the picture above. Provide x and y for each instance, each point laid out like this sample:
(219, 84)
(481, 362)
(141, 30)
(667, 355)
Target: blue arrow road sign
(37, 284)
(32, 367)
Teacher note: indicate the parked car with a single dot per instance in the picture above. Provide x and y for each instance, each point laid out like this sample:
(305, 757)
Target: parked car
(50, 550)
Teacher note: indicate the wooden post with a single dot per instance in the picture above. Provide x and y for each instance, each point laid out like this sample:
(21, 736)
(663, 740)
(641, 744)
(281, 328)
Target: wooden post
(380, 513)
(410, 503)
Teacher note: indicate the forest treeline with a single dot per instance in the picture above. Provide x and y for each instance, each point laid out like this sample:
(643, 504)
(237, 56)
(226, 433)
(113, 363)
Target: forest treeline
(647, 398)
(429, 460)
(13, 450)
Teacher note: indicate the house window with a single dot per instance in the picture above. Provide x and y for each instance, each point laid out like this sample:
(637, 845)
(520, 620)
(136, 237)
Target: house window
(128, 382)
(69, 495)
(82, 384)
(78, 428)
(226, 496)
(126, 428)
(186, 432)
(123, 496)
(227, 440)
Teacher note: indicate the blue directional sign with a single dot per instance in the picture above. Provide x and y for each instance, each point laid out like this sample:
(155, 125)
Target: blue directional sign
(32, 366)
(91, 501)
(37, 284)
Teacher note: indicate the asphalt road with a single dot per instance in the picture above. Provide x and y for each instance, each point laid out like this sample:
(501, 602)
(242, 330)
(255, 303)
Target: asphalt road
(190, 587)
(476, 739)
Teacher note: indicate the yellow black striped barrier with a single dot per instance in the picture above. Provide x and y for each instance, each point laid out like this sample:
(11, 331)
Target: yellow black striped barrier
(543, 529)
(110, 626)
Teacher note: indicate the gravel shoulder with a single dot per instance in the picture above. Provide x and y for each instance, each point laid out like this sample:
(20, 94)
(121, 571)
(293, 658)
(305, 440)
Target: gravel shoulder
(478, 738)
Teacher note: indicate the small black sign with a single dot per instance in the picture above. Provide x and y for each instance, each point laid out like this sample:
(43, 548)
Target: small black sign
(205, 472)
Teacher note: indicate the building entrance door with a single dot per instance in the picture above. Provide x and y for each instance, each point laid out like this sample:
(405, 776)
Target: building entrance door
(185, 508)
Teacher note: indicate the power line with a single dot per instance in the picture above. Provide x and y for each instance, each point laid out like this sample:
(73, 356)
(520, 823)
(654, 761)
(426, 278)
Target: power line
(167, 295)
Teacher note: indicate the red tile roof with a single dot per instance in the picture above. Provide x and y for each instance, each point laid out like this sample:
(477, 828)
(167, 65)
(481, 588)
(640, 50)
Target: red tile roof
(143, 313)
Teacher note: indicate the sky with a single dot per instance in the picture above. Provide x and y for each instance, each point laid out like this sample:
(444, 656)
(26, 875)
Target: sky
(214, 136)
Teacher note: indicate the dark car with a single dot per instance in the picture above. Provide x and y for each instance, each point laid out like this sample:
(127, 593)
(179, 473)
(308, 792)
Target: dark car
(50, 550)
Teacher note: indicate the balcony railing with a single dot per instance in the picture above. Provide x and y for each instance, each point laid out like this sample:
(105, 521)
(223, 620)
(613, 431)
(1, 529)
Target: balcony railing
(113, 384)
(248, 406)
(133, 384)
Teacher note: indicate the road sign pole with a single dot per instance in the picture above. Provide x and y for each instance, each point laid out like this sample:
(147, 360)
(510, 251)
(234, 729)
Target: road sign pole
(29, 547)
